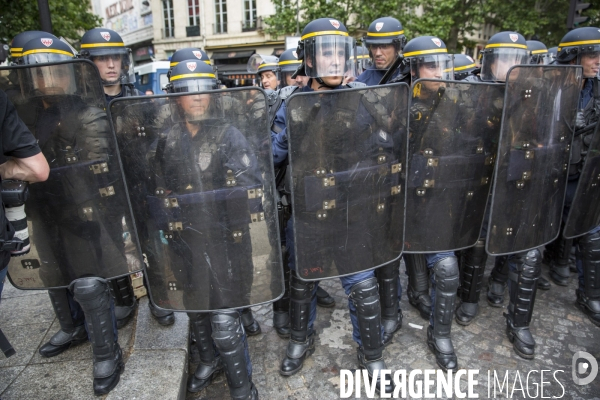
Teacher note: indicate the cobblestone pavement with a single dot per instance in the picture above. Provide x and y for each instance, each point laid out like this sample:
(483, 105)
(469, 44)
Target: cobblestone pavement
(559, 328)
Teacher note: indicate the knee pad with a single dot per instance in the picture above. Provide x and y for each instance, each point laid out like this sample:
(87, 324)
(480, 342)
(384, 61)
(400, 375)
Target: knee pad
(446, 275)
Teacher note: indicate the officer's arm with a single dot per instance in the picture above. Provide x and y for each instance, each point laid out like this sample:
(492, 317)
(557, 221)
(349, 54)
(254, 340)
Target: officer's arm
(30, 169)
(279, 143)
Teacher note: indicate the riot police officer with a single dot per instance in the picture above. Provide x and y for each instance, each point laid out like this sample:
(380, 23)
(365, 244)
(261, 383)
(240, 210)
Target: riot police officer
(70, 131)
(105, 48)
(464, 66)
(385, 40)
(325, 50)
(288, 64)
(581, 46)
(538, 53)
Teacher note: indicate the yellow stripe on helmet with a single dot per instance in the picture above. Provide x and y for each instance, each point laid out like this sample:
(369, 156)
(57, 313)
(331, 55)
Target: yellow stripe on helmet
(174, 63)
(578, 43)
(514, 45)
(196, 75)
(110, 44)
(385, 33)
(418, 53)
(290, 62)
(539, 51)
(41, 51)
(321, 33)
(16, 51)
(465, 67)
(261, 66)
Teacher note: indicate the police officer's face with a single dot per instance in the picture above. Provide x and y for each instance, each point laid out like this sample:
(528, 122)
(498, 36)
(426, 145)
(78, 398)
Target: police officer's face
(591, 64)
(109, 67)
(268, 80)
(195, 106)
(431, 70)
(330, 62)
(383, 55)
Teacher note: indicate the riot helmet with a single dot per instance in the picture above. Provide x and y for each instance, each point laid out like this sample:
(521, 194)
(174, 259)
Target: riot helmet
(47, 80)
(326, 51)
(385, 40)
(538, 52)
(463, 66)
(502, 51)
(106, 49)
(363, 59)
(266, 69)
(581, 46)
(191, 76)
(288, 64)
(428, 57)
(16, 45)
(189, 53)
(552, 52)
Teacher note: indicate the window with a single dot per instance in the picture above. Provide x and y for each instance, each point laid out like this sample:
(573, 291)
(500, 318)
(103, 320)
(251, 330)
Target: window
(249, 15)
(194, 12)
(169, 20)
(220, 16)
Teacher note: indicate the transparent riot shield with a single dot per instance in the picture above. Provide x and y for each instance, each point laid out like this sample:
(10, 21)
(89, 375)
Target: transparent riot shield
(454, 130)
(347, 154)
(201, 185)
(584, 213)
(531, 170)
(80, 223)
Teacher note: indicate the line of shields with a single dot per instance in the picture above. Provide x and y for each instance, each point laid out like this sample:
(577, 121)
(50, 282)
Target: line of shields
(182, 185)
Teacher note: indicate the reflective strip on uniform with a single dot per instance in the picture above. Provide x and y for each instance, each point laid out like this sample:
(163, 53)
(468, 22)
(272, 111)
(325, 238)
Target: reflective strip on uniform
(90, 45)
(197, 75)
(418, 53)
(41, 51)
(578, 43)
(324, 33)
(465, 67)
(385, 33)
(515, 45)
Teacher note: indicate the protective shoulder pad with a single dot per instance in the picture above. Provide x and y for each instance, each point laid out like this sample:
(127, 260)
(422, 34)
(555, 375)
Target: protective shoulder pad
(287, 91)
(271, 96)
(353, 85)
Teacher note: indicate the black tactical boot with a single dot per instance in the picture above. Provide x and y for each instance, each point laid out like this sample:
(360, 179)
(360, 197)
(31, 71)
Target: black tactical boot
(324, 299)
(588, 297)
(210, 363)
(418, 284)
(163, 317)
(497, 282)
(71, 332)
(125, 302)
(472, 267)
(438, 336)
(281, 307)
(302, 342)
(251, 325)
(522, 288)
(93, 295)
(228, 334)
(559, 261)
(365, 297)
(391, 315)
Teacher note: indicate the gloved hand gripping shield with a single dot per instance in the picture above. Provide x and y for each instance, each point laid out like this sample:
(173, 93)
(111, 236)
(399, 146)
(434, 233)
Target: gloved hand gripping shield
(454, 131)
(347, 158)
(532, 165)
(80, 222)
(202, 193)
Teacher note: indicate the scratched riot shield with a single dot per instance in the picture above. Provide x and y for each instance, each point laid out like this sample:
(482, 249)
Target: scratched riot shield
(347, 152)
(531, 169)
(80, 223)
(202, 192)
(584, 214)
(454, 131)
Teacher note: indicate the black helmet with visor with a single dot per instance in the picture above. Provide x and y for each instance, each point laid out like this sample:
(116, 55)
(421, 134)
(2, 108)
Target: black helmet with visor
(502, 51)
(191, 76)
(428, 58)
(581, 46)
(106, 45)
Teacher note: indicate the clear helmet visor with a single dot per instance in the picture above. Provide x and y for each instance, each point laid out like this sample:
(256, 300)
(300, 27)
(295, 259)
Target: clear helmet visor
(194, 108)
(50, 80)
(258, 62)
(432, 66)
(539, 59)
(496, 63)
(329, 56)
(44, 58)
(363, 62)
(589, 59)
(193, 85)
(115, 65)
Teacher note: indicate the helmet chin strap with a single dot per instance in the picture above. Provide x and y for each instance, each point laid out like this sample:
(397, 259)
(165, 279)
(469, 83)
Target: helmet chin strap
(322, 83)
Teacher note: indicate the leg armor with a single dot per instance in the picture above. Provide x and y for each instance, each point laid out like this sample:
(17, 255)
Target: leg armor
(210, 363)
(559, 260)
(94, 297)
(302, 343)
(526, 268)
(365, 296)
(125, 302)
(446, 276)
(251, 325)
(497, 282)
(588, 298)
(281, 307)
(228, 334)
(472, 267)
(391, 315)
(72, 331)
(418, 283)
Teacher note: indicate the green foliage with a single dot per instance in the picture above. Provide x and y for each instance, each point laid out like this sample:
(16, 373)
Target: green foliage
(70, 18)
